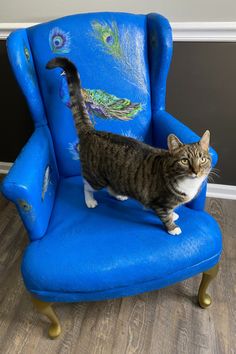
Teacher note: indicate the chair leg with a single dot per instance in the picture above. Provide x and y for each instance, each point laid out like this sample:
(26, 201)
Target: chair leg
(203, 298)
(46, 309)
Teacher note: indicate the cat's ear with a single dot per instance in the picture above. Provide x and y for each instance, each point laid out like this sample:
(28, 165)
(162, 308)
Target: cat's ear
(173, 142)
(205, 141)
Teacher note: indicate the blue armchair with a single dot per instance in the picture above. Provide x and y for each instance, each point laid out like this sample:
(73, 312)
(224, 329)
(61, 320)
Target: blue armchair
(117, 249)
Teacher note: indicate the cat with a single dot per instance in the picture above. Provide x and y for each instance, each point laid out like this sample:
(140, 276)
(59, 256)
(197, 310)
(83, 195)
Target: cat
(159, 179)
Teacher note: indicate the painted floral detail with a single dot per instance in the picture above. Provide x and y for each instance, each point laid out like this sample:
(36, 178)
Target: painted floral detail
(126, 46)
(102, 104)
(59, 41)
(74, 150)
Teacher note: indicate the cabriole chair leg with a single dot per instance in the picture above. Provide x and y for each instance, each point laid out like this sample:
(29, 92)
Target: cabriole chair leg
(46, 309)
(203, 298)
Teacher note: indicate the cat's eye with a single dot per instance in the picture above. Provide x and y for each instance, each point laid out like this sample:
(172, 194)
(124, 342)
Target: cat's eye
(184, 161)
(203, 159)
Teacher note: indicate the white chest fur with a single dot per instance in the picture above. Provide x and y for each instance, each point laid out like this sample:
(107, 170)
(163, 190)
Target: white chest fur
(190, 186)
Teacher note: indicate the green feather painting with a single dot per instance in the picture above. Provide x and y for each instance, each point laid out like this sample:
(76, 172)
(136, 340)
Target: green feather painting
(102, 104)
(105, 105)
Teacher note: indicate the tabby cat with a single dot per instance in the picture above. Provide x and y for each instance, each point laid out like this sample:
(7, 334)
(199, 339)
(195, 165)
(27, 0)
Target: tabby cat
(159, 179)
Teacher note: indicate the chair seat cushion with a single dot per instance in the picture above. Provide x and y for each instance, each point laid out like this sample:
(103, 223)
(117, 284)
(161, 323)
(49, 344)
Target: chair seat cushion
(114, 250)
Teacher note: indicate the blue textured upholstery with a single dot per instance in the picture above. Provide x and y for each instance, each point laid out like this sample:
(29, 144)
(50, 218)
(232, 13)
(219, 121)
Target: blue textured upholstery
(118, 248)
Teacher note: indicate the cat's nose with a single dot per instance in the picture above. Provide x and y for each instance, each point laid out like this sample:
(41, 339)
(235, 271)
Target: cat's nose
(195, 168)
(194, 172)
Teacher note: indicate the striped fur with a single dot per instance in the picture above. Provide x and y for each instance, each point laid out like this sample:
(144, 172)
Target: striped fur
(154, 177)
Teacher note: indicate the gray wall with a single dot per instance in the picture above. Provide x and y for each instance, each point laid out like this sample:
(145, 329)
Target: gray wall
(174, 10)
(16, 125)
(201, 93)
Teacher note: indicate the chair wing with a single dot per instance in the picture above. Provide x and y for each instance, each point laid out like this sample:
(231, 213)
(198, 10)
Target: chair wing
(22, 62)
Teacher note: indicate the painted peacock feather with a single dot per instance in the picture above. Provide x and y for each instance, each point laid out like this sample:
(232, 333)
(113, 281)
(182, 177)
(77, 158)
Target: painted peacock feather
(29, 62)
(126, 46)
(108, 36)
(59, 41)
(103, 104)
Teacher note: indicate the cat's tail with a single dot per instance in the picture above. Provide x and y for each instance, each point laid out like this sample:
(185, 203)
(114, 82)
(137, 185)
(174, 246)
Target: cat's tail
(80, 114)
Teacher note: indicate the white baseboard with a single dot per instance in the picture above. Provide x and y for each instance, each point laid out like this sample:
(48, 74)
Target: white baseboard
(221, 191)
(5, 167)
(8, 27)
(182, 31)
(204, 31)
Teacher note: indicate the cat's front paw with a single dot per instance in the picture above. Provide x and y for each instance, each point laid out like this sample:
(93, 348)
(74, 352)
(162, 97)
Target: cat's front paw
(175, 231)
(175, 216)
(91, 203)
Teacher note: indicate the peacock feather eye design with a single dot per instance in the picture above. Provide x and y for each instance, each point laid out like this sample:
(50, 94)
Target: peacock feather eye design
(59, 41)
(24, 205)
(108, 35)
(27, 54)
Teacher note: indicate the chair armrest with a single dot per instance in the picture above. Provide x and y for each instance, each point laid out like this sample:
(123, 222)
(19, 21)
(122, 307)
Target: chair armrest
(165, 124)
(32, 181)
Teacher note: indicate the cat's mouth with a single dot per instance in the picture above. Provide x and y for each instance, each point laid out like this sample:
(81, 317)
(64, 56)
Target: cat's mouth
(197, 175)
(194, 175)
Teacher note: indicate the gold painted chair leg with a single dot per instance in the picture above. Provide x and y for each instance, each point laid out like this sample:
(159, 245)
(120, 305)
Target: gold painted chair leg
(203, 298)
(46, 309)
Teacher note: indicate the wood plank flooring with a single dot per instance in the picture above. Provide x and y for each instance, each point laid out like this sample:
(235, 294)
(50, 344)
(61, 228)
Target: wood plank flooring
(167, 321)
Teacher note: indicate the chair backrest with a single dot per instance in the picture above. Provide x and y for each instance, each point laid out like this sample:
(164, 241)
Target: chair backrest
(110, 51)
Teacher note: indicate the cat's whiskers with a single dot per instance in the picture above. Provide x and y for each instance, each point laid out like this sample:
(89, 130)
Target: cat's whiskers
(213, 173)
(210, 179)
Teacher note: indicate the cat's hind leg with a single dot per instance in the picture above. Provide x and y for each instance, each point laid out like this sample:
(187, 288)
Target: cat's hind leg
(113, 194)
(88, 195)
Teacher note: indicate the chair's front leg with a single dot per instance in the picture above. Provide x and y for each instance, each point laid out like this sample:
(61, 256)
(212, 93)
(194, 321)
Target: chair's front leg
(203, 298)
(46, 309)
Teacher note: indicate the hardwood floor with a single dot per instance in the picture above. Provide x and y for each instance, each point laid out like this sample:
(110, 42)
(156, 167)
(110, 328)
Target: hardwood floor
(167, 321)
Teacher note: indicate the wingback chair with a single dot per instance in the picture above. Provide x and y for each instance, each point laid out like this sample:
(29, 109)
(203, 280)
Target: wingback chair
(117, 249)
